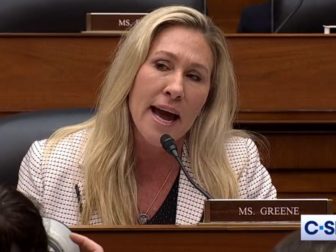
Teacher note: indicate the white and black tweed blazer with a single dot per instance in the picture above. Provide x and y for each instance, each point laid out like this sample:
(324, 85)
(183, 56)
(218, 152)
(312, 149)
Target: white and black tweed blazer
(52, 183)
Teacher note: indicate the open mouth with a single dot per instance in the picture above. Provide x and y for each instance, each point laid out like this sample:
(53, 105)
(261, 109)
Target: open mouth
(165, 115)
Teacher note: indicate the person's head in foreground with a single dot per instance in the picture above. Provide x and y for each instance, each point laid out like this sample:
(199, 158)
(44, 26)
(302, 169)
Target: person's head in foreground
(21, 225)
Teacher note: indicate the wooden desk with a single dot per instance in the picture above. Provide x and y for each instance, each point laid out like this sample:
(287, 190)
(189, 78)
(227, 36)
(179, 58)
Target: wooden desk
(235, 238)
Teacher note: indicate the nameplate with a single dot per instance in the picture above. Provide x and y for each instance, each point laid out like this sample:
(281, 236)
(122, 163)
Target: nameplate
(221, 210)
(115, 22)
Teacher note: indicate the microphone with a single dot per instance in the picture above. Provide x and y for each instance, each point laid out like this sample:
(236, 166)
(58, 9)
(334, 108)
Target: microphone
(168, 143)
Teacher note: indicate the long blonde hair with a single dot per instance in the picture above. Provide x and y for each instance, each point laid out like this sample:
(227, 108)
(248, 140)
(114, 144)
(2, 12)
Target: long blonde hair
(108, 164)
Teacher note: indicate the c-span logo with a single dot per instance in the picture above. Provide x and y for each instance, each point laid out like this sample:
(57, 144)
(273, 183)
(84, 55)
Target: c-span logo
(318, 227)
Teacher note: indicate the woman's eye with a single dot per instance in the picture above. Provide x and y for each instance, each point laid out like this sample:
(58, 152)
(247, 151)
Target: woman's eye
(161, 66)
(194, 77)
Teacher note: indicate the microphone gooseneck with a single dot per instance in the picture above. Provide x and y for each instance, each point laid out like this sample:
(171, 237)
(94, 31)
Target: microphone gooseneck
(168, 143)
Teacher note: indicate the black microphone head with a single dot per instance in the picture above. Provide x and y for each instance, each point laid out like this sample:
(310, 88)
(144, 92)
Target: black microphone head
(168, 143)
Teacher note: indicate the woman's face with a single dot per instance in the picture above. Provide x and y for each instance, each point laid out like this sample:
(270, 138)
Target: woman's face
(172, 85)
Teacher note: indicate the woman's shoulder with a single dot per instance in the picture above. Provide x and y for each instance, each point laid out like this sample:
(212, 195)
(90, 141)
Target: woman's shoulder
(241, 151)
(253, 177)
(68, 144)
(68, 147)
(73, 138)
(240, 144)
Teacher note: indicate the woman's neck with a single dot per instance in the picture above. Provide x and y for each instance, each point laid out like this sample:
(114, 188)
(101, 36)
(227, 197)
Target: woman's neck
(152, 160)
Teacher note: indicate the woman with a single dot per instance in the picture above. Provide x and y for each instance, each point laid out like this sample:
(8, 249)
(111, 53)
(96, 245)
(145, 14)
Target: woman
(171, 74)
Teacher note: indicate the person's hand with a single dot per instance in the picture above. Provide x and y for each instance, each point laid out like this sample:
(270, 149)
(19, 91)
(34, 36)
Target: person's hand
(85, 244)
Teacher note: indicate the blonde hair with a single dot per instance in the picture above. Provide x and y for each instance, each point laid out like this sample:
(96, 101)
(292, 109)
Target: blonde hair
(108, 164)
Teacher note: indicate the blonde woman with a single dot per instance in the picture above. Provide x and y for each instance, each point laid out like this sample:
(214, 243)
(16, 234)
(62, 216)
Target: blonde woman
(172, 74)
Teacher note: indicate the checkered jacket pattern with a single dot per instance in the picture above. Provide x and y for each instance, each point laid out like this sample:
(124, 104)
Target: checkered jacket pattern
(52, 180)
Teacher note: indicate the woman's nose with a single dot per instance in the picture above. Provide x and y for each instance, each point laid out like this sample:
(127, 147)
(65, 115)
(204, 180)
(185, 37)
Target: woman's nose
(175, 87)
